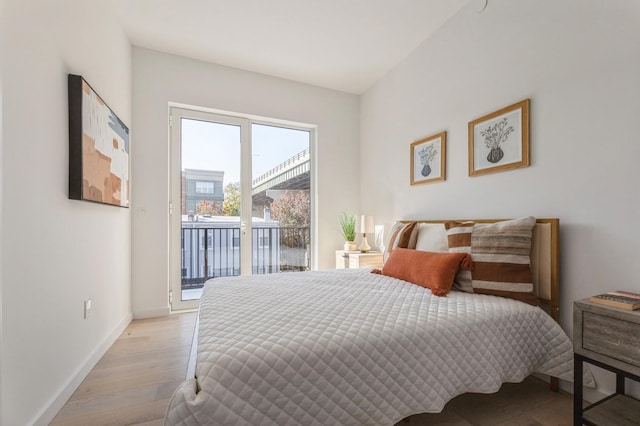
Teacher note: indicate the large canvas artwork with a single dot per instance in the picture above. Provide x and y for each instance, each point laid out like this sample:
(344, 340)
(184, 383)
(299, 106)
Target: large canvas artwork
(98, 148)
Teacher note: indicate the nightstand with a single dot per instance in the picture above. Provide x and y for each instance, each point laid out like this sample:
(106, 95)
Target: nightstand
(608, 338)
(356, 259)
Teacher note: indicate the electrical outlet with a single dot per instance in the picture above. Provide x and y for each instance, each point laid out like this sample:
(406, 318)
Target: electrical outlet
(87, 308)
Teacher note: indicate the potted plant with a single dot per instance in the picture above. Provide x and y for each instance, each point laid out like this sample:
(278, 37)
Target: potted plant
(348, 226)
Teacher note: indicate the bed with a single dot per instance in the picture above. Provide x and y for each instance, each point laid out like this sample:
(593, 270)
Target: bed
(350, 347)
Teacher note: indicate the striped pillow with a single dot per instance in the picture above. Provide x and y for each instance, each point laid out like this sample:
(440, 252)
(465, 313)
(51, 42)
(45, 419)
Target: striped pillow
(501, 254)
(403, 235)
(459, 239)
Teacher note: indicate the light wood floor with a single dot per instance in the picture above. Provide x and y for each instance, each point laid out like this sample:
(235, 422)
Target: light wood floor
(132, 384)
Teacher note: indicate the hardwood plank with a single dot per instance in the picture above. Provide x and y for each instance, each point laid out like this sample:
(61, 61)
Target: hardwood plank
(528, 403)
(158, 422)
(132, 415)
(133, 382)
(166, 358)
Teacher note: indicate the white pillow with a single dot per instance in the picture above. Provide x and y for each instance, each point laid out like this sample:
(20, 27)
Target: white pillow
(432, 237)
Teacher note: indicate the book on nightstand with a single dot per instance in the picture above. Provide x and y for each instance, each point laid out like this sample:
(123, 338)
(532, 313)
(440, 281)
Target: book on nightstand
(618, 299)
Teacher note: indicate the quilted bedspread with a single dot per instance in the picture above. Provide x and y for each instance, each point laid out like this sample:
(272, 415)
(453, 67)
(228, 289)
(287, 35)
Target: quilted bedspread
(350, 348)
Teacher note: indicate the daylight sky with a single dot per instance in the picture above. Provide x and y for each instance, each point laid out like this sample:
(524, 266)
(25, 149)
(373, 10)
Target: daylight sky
(214, 146)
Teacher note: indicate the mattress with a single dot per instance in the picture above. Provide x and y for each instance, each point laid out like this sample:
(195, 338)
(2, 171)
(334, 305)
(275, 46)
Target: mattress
(348, 347)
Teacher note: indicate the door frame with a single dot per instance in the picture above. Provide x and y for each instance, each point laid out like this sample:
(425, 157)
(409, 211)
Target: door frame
(175, 112)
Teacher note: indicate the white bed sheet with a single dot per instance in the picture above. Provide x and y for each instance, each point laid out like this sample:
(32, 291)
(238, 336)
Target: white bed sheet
(349, 347)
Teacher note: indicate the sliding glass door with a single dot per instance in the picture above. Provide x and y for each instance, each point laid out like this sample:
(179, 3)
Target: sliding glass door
(240, 200)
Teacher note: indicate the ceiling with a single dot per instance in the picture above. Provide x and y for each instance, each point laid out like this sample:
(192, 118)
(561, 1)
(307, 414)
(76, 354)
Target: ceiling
(345, 45)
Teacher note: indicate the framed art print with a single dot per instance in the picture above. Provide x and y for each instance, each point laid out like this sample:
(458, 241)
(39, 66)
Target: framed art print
(98, 148)
(500, 141)
(428, 159)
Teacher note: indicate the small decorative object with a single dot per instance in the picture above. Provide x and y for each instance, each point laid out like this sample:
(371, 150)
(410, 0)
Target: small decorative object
(98, 148)
(428, 159)
(379, 237)
(618, 299)
(366, 227)
(500, 141)
(348, 226)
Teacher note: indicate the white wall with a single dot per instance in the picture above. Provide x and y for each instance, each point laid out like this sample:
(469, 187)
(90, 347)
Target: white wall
(1, 176)
(160, 78)
(579, 62)
(56, 252)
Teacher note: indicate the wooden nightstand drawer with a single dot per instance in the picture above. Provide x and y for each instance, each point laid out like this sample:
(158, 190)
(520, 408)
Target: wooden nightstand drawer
(607, 334)
(611, 337)
(608, 338)
(352, 260)
(366, 260)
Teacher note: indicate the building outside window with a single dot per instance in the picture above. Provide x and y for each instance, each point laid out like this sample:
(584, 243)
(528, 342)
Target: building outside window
(202, 192)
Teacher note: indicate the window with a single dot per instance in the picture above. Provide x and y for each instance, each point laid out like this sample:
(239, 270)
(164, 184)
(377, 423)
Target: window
(204, 187)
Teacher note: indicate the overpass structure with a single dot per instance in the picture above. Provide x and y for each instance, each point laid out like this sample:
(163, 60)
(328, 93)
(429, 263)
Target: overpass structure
(293, 174)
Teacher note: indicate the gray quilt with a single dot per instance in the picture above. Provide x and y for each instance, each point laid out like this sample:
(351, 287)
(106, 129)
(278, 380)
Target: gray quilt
(352, 348)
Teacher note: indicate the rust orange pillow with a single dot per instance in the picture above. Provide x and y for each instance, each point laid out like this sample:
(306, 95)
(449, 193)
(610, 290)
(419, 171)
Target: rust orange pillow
(434, 271)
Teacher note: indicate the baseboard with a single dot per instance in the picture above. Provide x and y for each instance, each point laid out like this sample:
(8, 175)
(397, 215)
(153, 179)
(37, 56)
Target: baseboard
(57, 402)
(152, 313)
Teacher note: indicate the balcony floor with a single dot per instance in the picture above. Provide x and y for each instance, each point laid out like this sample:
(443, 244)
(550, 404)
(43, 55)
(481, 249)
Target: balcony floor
(192, 294)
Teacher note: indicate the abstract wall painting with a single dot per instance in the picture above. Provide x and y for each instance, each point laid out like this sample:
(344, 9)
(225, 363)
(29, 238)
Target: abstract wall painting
(98, 148)
(500, 141)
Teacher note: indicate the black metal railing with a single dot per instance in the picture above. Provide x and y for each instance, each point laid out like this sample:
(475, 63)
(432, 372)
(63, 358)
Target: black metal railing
(215, 252)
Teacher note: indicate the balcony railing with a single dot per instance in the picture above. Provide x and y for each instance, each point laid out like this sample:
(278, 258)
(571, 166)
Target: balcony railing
(215, 252)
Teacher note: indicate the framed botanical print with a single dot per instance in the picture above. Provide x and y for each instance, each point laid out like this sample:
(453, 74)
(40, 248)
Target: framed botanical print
(428, 159)
(500, 141)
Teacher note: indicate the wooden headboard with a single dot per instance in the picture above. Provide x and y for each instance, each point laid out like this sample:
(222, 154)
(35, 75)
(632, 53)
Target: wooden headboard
(545, 251)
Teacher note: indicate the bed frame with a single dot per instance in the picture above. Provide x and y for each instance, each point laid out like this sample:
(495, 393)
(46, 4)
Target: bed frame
(545, 251)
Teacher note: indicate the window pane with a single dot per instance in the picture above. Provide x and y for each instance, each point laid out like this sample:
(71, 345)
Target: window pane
(210, 154)
(281, 198)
